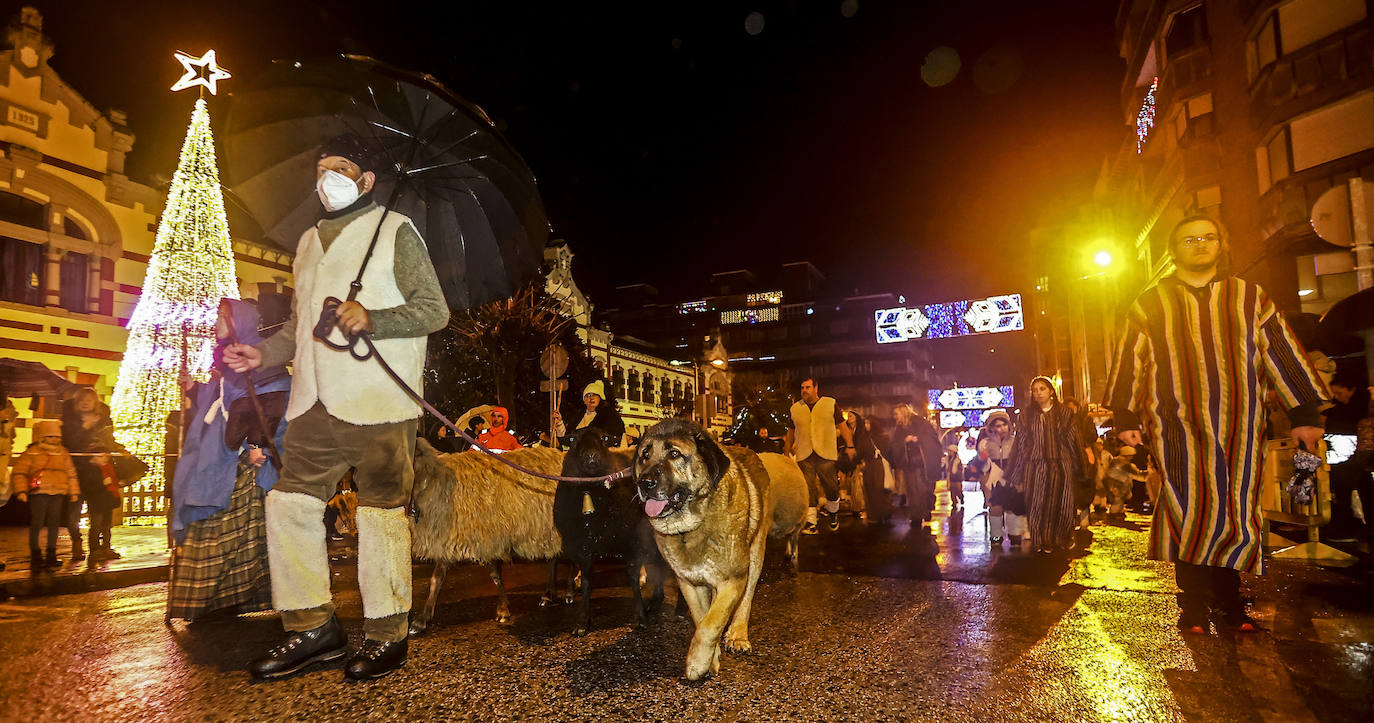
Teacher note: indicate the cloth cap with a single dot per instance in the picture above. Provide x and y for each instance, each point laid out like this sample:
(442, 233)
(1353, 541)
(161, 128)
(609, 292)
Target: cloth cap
(596, 387)
(349, 146)
(47, 428)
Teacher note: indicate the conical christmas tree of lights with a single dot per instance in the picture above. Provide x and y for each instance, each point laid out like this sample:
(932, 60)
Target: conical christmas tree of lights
(172, 330)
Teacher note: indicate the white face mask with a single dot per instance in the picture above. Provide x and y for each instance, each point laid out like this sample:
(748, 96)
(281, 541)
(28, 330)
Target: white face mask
(336, 190)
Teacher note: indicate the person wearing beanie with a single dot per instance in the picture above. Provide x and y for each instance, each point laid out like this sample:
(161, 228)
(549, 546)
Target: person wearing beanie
(344, 413)
(497, 437)
(599, 413)
(44, 477)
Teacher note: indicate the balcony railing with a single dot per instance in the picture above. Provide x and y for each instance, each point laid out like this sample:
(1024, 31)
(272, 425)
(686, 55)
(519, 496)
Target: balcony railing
(1296, 81)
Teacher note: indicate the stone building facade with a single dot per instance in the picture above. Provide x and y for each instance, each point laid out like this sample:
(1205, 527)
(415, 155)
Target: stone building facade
(75, 231)
(647, 387)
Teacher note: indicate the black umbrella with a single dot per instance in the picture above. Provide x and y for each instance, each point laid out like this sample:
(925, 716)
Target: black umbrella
(25, 379)
(438, 159)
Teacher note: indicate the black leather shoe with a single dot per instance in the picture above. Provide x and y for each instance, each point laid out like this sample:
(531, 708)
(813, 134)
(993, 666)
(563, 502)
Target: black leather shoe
(301, 649)
(375, 659)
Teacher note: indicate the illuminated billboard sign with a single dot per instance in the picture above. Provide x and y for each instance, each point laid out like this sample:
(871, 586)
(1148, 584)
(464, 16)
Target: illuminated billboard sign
(969, 418)
(964, 398)
(992, 315)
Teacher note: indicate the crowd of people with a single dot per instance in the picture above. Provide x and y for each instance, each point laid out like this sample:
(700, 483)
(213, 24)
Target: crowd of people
(73, 463)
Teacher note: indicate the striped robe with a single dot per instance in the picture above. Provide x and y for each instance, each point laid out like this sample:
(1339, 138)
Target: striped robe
(1195, 365)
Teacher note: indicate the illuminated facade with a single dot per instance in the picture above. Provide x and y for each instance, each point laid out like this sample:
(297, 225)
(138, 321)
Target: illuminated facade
(648, 387)
(781, 333)
(75, 231)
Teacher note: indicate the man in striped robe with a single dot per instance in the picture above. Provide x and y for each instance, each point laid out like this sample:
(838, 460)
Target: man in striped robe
(1199, 352)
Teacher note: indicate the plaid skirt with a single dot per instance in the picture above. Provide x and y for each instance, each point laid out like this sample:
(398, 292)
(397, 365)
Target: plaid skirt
(223, 563)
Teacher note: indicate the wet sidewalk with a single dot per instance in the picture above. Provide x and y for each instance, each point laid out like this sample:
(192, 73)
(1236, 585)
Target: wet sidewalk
(143, 551)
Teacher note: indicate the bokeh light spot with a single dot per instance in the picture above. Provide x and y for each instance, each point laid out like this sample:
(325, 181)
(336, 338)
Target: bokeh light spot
(941, 66)
(997, 70)
(849, 7)
(753, 23)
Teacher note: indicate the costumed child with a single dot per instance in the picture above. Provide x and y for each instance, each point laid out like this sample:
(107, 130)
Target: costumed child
(1118, 480)
(45, 477)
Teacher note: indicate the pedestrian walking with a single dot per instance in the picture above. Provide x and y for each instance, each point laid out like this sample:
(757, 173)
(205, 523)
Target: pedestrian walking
(814, 439)
(344, 413)
(218, 515)
(1046, 464)
(915, 456)
(87, 429)
(1005, 503)
(43, 476)
(1197, 352)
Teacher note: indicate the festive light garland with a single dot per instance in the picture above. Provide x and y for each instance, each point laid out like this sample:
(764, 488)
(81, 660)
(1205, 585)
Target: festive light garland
(172, 329)
(1145, 119)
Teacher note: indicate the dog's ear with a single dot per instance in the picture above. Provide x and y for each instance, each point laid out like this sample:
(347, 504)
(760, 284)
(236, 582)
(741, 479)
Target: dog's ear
(712, 456)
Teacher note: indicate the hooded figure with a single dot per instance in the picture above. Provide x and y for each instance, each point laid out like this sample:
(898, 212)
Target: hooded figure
(498, 437)
(222, 421)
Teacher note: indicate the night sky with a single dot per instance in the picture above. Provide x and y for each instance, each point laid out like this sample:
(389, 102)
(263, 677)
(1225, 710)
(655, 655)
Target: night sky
(671, 143)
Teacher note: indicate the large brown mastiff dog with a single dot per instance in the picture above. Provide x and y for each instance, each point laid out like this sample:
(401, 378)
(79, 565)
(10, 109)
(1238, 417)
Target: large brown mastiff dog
(712, 510)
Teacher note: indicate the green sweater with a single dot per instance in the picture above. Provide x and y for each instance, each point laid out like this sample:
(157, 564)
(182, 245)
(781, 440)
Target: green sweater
(423, 313)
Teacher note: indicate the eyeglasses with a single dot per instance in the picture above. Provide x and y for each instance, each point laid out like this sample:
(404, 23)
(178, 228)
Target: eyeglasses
(1210, 238)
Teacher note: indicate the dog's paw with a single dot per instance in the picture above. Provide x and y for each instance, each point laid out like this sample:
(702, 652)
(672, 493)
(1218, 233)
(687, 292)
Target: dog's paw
(696, 682)
(579, 631)
(502, 618)
(739, 646)
(417, 627)
(546, 601)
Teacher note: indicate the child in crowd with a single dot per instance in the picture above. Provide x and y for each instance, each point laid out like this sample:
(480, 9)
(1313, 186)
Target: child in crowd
(1119, 479)
(44, 477)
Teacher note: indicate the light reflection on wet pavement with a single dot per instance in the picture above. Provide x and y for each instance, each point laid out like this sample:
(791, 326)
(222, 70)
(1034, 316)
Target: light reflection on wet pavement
(883, 623)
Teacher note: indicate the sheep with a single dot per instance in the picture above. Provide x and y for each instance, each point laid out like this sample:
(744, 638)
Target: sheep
(470, 507)
(595, 522)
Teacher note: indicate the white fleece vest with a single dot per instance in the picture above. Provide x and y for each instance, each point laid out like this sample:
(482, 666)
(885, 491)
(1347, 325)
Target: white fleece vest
(816, 429)
(353, 391)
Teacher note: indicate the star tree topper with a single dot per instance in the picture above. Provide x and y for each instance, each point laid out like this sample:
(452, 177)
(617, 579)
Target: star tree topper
(202, 71)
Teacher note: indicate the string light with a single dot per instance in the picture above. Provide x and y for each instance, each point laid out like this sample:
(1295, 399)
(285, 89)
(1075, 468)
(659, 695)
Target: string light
(1145, 119)
(172, 329)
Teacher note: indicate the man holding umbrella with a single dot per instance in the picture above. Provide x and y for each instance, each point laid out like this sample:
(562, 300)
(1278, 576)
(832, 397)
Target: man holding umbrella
(345, 413)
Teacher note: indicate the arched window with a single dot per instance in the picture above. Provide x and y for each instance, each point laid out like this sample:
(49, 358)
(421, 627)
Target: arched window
(23, 211)
(677, 391)
(635, 393)
(73, 229)
(665, 393)
(648, 388)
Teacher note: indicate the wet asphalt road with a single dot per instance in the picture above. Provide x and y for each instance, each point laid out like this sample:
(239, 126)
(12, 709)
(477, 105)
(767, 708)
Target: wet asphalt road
(884, 623)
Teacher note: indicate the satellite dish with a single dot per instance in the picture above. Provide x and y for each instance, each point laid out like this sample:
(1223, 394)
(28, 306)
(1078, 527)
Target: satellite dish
(1331, 214)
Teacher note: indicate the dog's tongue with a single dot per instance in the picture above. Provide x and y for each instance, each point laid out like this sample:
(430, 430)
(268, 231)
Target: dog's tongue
(653, 507)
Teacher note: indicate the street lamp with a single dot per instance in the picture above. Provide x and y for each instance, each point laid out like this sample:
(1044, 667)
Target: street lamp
(1103, 258)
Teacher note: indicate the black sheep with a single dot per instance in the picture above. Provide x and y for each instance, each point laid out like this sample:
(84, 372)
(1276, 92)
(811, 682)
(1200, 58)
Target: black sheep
(596, 522)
